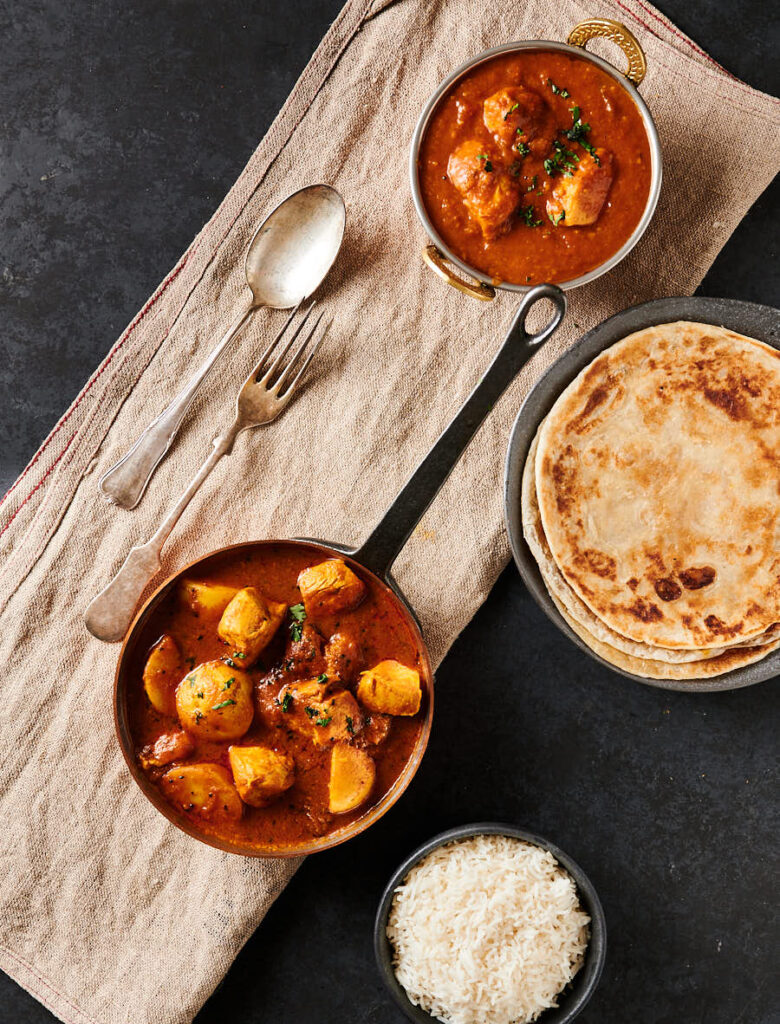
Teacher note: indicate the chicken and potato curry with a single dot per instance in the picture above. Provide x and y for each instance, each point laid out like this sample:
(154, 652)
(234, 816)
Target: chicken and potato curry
(277, 697)
(535, 166)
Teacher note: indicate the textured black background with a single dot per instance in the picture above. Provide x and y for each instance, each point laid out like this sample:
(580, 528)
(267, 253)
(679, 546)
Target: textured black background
(122, 125)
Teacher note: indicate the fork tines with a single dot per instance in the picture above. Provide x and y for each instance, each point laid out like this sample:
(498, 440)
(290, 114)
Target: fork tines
(264, 374)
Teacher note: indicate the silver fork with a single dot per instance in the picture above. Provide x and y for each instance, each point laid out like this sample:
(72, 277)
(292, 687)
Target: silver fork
(260, 400)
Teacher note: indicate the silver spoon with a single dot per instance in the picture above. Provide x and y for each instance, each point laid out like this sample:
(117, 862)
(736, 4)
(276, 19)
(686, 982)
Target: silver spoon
(288, 258)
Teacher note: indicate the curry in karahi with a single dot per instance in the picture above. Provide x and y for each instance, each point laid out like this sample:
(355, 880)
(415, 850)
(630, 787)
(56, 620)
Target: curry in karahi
(535, 166)
(277, 697)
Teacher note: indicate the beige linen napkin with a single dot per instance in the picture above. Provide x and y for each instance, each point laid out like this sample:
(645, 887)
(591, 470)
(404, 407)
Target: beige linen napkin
(107, 913)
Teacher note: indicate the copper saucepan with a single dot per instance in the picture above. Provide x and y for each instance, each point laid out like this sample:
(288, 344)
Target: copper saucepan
(438, 254)
(373, 558)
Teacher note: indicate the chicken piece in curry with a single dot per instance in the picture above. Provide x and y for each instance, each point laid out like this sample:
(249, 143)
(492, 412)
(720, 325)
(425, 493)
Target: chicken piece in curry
(280, 696)
(519, 120)
(486, 186)
(579, 198)
(535, 166)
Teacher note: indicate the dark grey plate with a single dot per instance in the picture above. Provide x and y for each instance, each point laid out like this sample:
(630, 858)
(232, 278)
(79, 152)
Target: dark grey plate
(574, 998)
(761, 322)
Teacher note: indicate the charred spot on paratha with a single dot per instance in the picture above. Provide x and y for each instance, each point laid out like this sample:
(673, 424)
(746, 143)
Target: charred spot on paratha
(565, 478)
(645, 611)
(697, 577)
(719, 628)
(667, 589)
(609, 390)
(729, 400)
(599, 562)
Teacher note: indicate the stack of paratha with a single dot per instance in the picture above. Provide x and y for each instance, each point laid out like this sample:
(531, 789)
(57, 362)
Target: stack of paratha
(651, 502)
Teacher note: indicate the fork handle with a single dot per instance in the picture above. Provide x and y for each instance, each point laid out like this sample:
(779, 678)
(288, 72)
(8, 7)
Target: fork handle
(109, 614)
(125, 482)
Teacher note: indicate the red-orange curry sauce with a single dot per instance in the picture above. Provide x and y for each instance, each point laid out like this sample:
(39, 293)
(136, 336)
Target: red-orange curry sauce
(535, 166)
(307, 700)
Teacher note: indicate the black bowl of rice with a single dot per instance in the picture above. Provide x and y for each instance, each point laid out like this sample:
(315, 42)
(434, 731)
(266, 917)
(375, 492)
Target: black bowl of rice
(488, 924)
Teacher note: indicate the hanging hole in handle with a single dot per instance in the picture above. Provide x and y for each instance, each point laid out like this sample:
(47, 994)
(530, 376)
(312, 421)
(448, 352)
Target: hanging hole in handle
(537, 304)
(606, 28)
(438, 264)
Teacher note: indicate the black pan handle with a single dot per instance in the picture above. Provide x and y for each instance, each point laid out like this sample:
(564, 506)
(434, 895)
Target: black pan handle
(382, 547)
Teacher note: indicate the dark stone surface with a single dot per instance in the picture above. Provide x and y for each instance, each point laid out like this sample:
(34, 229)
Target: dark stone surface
(123, 126)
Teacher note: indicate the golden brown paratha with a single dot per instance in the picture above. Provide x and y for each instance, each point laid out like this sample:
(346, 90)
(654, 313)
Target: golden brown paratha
(533, 532)
(658, 481)
(731, 658)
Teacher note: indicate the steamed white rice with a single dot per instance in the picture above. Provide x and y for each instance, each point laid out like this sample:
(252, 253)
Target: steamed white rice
(487, 930)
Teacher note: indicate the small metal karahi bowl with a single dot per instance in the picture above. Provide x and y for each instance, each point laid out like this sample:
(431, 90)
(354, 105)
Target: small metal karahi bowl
(438, 255)
(577, 993)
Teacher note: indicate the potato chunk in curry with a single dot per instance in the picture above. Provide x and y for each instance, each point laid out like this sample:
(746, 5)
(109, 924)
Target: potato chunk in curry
(518, 118)
(489, 191)
(322, 714)
(261, 774)
(391, 688)
(330, 587)
(214, 701)
(206, 598)
(578, 200)
(162, 674)
(352, 774)
(249, 622)
(203, 789)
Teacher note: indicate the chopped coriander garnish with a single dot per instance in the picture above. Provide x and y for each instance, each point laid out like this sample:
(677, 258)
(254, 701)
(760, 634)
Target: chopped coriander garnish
(322, 678)
(240, 654)
(556, 91)
(287, 701)
(298, 613)
(563, 159)
(557, 220)
(488, 164)
(578, 131)
(229, 683)
(311, 712)
(322, 722)
(522, 148)
(528, 215)
(532, 186)
(230, 663)
(511, 110)
(350, 728)
(199, 694)
(223, 704)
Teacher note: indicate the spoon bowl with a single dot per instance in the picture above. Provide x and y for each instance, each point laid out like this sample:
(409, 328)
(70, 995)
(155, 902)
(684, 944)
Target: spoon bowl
(295, 246)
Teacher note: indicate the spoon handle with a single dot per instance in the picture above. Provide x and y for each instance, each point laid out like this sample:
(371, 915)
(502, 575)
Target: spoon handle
(109, 613)
(125, 482)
